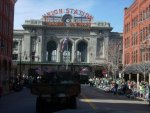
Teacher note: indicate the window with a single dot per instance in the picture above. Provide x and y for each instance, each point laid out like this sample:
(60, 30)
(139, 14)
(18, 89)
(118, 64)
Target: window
(33, 44)
(66, 56)
(14, 56)
(15, 45)
(1, 23)
(1, 5)
(78, 56)
(54, 55)
(33, 56)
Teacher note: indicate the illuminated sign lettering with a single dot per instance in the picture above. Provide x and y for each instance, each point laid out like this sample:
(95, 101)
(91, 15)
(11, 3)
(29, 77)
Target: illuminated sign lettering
(71, 24)
(69, 11)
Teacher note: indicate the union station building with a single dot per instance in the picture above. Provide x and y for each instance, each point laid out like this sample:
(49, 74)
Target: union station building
(69, 39)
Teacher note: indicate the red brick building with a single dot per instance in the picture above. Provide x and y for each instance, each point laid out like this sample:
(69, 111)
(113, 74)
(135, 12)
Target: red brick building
(136, 38)
(6, 38)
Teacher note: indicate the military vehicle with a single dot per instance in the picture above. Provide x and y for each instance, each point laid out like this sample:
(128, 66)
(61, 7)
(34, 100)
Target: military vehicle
(84, 76)
(56, 88)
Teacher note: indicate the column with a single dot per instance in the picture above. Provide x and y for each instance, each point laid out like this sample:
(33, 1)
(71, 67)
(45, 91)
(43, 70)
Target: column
(37, 51)
(58, 53)
(137, 81)
(122, 75)
(73, 52)
(27, 49)
(130, 76)
(41, 49)
(106, 41)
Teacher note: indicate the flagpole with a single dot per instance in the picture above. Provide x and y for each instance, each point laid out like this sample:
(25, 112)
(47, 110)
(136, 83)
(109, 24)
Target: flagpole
(67, 54)
(67, 58)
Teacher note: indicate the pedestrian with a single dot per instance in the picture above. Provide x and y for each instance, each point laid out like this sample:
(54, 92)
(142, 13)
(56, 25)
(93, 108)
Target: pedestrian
(125, 88)
(1, 90)
(115, 88)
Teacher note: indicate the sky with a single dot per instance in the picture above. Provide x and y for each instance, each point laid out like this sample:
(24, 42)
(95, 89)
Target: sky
(111, 11)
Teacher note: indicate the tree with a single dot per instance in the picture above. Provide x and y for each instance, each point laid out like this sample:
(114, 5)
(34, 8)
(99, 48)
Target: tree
(114, 55)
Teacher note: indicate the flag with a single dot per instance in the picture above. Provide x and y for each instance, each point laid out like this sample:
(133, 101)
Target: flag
(64, 44)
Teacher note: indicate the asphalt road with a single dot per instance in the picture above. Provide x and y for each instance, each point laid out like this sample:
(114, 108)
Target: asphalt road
(91, 100)
(18, 102)
(99, 101)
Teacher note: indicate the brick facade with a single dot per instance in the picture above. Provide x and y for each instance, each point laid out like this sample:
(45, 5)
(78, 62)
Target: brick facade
(136, 47)
(6, 38)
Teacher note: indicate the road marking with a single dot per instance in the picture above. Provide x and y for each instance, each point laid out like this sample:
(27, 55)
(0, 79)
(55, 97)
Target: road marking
(89, 102)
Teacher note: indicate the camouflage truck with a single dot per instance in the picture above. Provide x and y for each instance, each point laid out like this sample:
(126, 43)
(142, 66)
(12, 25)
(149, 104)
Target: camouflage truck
(54, 89)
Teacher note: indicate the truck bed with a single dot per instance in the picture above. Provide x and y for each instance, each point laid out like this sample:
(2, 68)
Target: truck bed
(70, 89)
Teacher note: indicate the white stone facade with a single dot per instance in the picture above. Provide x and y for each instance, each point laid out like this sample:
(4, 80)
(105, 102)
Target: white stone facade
(42, 43)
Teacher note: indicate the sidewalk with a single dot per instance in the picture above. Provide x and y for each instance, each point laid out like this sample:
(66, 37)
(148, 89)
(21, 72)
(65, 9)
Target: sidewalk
(7, 93)
(138, 98)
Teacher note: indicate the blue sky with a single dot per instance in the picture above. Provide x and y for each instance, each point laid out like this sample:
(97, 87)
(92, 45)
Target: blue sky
(111, 11)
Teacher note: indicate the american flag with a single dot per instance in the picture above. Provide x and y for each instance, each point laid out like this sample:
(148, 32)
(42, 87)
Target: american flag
(64, 44)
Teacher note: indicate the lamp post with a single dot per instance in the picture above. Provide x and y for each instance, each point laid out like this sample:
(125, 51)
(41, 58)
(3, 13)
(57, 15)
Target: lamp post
(20, 60)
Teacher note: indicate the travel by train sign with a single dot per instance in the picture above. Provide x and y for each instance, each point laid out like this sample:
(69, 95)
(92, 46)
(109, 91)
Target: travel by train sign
(71, 17)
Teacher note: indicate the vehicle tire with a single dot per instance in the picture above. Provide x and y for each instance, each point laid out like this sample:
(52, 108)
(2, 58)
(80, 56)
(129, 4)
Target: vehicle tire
(39, 105)
(48, 107)
(72, 103)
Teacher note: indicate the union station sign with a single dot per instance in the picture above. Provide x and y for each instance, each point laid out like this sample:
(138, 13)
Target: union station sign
(71, 17)
(69, 11)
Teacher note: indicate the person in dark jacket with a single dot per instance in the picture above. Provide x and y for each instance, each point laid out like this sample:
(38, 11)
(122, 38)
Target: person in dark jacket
(116, 88)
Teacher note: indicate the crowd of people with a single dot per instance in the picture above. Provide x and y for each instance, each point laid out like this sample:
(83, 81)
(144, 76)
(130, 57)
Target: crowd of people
(122, 87)
(117, 86)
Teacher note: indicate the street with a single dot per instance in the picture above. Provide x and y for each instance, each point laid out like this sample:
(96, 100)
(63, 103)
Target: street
(99, 100)
(91, 100)
(18, 102)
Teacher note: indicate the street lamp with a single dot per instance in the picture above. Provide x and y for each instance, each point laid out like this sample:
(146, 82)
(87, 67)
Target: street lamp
(20, 59)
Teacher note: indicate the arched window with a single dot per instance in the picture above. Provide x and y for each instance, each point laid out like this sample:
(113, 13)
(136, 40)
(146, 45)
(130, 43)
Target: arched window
(67, 53)
(66, 56)
(51, 53)
(78, 56)
(82, 52)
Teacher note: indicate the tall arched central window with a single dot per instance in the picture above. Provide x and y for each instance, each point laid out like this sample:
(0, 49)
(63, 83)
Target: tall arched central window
(82, 52)
(51, 53)
(67, 53)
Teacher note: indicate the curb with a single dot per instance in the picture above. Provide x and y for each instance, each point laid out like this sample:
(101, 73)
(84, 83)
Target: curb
(137, 98)
(141, 99)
